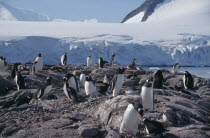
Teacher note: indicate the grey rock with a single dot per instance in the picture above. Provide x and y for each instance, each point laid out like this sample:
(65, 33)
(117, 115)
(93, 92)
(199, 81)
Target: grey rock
(88, 130)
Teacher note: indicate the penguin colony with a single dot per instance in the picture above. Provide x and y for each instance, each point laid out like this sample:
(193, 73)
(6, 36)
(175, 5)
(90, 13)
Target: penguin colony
(71, 88)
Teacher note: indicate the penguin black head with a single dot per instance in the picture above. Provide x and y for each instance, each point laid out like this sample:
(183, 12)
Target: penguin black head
(113, 55)
(186, 72)
(134, 59)
(121, 70)
(65, 53)
(147, 83)
(49, 80)
(1, 57)
(89, 78)
(39, 54)
(141, 111)
(89, 56)
(69, 75)
(159, 72)
(65, 79)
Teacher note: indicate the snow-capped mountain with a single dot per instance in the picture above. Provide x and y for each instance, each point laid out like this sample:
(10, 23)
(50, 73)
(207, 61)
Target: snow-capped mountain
(173, 11)
(8, 12)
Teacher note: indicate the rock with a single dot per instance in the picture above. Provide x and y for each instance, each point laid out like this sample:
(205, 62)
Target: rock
(2, 126)
(112, 133)
(175, 83)
(130, 83)
(10, 130)
(52, 97)
(111, 112)
(88, 130)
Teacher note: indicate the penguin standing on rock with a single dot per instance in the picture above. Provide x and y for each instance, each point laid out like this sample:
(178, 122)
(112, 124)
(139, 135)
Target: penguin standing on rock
(130, 121)
(112, 61)
(154, 128)
(64, 59)
(69, 92)
(14, 70)
(34, 68)
(45, 89)
(39, 61)
(175, 68)
(147, 96)
(19, 80)
(117, 82)
(158, 80)
(90, 88)
(133, 65)
(72, 81)
(188, 81)
(1, 62)
(101, 62)
(89, 61)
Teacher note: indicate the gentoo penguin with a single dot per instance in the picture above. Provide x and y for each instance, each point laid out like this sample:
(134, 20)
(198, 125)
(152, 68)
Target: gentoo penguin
(101, 62)
(117, 82)
(39, 61)
(106, 79)
(133, 65)
(72, 80)
(69, 92)
(158, 80)
(89, 86)
(45, 89)
(102, 87)
(19, 80)
(112, 61)
(175, 68)
(188, 81)
(130, 121)
(1, 62)
(14, 70)
(154, 128)
(89, 61)
(64, 59)
(82, 79)
(147, 96)
(34, 68)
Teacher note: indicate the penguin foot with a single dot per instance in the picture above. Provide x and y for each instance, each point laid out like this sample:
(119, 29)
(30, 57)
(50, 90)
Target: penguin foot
(69, 100)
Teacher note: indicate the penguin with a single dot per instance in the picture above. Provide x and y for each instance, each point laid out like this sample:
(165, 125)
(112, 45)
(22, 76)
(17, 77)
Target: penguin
(39, 61)
(147, 96)
(158, 80)
(69, 92)
(82, 79)
(188, 81)
(175, 68)
(72, 80)
(34, 68)
(64, 59)
(101, 62)
(154, 128)
(19, 80)
(112, 61)
(117, 82)
(45, 89)
(102, 87)
(106, 79)
(130, 121)
(133, 65)
(14, 70)
(89, 61)
(1, 62)
(90, 88)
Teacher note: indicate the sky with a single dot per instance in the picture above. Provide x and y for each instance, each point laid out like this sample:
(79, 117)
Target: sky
(79, 10)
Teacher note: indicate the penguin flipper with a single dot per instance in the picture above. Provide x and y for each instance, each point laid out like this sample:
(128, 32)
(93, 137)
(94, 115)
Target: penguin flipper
(40, 93)
(114, 80)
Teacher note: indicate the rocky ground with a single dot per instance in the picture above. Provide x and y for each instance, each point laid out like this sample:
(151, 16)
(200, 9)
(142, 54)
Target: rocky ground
(189, 115)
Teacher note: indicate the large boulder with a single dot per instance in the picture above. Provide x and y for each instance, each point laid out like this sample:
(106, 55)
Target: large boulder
(111, 112)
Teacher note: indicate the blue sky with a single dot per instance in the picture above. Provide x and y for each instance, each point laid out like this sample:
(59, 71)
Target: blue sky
(102, 10)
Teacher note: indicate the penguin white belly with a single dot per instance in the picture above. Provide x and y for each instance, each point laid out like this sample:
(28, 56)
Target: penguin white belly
(118, 84)
(1, 64)
(175, 69)
(39, 63)
(184, 81)
(72, 83)
(130, 121)
(106, 80)
(47, 90)
(16, 81)
(89, 62)
(82, 79)
(147, 98)
(65, 91)
(90, 88)
(62, 60)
